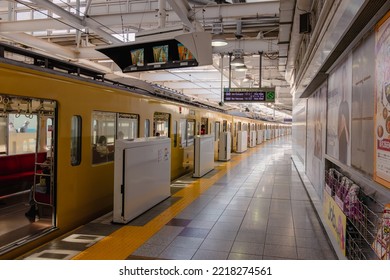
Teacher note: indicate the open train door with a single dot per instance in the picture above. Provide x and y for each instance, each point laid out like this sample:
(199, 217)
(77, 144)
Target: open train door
(43, 188)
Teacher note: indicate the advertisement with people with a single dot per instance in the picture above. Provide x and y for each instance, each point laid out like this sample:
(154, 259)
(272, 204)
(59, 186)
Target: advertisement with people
(339, 112)
(382, 114)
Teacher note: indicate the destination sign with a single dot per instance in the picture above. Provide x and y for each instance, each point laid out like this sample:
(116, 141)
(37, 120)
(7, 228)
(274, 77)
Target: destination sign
(249, 95)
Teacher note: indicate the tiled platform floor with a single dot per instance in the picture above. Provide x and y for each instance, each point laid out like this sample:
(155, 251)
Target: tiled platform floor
(258, 210)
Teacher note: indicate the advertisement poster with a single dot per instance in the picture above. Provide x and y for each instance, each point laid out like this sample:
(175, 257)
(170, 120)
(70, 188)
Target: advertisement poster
(363, 105)
(299, 129)
(339, 112)
(316, 118)
(335, 220)
(382, 114)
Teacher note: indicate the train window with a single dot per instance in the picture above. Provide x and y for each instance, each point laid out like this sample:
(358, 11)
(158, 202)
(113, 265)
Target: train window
(3, 137)
(224, 126)
(161, 124)
(22, 133)
(147, 128)
(204, 127)
(239, 126)
(190, 132)
(103, 136)
(217, 130)
(127, 126)
(75, 141)
(182, 133)
(175, 134)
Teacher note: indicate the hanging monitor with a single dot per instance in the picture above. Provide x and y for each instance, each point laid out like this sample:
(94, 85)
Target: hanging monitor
(185, 50)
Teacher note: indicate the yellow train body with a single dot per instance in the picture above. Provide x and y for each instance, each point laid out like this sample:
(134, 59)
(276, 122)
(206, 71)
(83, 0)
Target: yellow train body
(85, 191)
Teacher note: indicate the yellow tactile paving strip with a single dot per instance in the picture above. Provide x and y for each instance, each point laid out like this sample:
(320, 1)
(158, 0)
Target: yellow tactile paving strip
(123, 242)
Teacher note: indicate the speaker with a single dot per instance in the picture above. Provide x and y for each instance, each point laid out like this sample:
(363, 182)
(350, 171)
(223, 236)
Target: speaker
(304, 23)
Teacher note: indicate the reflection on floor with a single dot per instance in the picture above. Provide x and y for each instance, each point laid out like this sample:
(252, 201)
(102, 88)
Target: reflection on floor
(14, 225)
(256, 209)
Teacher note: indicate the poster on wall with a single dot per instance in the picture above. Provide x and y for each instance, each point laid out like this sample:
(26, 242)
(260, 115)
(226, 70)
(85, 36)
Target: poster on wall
(316, 119)
(363, 100)
(335, 220)
(382, 113)
(299, 129)
(339, 112)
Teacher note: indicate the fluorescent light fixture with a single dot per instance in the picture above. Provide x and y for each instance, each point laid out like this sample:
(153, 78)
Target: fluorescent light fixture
(219, 42)
(241, 68)
(238, 61)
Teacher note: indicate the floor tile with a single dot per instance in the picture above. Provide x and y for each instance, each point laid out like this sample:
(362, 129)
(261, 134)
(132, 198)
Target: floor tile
(238, 256)
(247, 248)
(178, 222)
(210, 255)
(178, 253)
(194, 232)
(220, 245)
(280, 251)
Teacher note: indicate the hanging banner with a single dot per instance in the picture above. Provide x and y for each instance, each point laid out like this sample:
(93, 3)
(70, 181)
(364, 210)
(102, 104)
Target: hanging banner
(382, 113)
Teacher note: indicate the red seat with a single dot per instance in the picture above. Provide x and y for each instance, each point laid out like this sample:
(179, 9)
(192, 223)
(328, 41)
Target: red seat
(18, 170)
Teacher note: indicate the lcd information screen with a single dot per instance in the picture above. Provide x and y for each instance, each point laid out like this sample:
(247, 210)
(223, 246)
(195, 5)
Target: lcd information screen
(184, 53)
(160, 53)
(249, 94)
(137, 57)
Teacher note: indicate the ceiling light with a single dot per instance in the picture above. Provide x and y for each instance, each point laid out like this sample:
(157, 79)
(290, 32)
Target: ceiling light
(219, 42)
(238, 61)
(241, 68)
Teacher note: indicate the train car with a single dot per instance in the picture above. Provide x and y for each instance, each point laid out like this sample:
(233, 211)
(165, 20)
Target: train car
(58, 126)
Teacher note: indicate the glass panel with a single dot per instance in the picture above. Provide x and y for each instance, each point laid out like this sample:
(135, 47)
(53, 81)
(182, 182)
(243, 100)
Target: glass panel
(3, 135)
(161, 124)
(103, 135)
(224, 126)
(147, 128)
(75, 141)
(175, 134)
(217, 130)
(182, 133)
(190, 132)
(23, 133)
(127, 126)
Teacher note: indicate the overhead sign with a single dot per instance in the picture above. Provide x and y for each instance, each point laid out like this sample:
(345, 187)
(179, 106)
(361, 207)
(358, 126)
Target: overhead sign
(249, 95)
(182, 51)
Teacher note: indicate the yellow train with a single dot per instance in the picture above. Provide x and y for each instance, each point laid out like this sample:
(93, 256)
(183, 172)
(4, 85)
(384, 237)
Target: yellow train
(64, 119)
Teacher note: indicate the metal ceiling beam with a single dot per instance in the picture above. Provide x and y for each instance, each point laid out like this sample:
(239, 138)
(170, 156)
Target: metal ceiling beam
(40, 45)
(227, 12)
(186, 14)
(76, 21)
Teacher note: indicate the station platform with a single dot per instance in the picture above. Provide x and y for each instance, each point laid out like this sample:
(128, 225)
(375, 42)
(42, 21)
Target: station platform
(252, 207)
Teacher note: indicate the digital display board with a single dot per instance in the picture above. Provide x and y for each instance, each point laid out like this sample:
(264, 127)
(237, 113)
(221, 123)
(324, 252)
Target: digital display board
(249, 95)
(164, 54)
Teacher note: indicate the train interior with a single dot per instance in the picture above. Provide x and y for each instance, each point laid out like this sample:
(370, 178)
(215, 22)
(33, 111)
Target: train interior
(27, 168)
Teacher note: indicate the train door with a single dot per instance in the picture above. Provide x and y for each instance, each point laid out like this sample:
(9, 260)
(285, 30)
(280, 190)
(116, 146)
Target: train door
(27, 168)
(161, 124)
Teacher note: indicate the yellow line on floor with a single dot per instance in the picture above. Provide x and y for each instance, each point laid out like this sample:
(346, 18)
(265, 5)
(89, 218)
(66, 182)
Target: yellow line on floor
(123, 242)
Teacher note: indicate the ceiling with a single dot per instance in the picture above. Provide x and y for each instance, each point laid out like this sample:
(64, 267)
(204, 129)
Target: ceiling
(72, 29)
